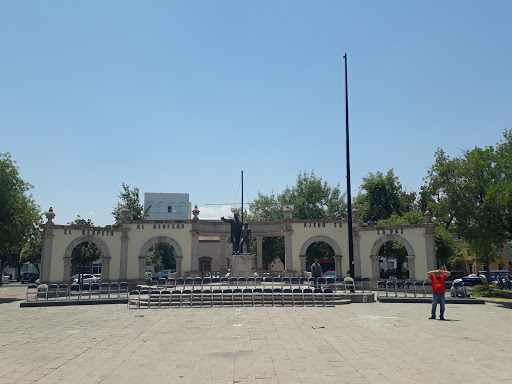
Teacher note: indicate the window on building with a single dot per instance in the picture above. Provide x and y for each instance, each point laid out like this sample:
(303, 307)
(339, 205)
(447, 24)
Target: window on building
(501, 267)
(161, 207)
(182, 207)
(169, 208)
(96, 266)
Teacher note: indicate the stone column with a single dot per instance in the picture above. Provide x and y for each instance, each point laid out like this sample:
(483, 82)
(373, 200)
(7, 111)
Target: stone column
(430, 245)
(46, 256)
(178, 265)
(194, 252)
(337, 265)
(123, 267)
(259, 253)
(375, 266)
(67, 270)
(302, 264)
(105, 269)
(288, 253)
(410, 264)
(357, 255)
(142, 267)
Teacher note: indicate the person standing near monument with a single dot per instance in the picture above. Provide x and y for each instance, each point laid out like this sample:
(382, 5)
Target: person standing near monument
(236, 230)
(316, 272)
(438, 278)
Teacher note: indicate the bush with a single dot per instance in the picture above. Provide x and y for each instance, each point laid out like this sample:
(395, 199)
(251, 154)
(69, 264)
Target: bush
(491, 290)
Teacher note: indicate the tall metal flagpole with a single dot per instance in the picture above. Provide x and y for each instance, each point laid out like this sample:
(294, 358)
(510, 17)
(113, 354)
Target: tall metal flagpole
(242, 197)
(349, 194)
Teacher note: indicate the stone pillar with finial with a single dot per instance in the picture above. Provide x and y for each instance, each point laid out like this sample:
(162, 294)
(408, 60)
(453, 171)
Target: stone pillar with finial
(46, 255)
(195, 241)
(430, 237)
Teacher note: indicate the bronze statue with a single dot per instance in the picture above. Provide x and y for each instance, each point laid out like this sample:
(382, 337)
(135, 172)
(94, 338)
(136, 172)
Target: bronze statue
(236, 230)
(246, 238)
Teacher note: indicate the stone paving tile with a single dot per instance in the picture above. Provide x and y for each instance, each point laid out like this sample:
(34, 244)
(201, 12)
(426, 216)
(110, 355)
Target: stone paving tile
(356, 343)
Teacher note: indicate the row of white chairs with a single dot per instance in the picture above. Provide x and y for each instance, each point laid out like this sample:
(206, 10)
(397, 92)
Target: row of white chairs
(406, 288)
(77, 292)
(337, 283)
(233, 297)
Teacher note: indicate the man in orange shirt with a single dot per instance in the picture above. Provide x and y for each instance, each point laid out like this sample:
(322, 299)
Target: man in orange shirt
(438, 278)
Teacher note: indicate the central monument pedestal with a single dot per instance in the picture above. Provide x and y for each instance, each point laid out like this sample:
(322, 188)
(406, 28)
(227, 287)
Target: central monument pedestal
(241, 265)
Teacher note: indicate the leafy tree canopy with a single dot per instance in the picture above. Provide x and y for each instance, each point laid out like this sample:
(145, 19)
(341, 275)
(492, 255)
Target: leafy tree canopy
(19, 214)
(310, 198)
(474, 191)
(131, 200)
(381, 196)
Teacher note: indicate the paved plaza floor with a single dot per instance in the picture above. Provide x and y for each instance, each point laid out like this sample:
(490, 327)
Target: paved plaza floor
(355, 343)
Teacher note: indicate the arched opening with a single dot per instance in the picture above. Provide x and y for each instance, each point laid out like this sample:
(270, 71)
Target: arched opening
(161, 259)
(86, 258)
(324, 253)
(326, 250)
(168, 255)
(393, 260)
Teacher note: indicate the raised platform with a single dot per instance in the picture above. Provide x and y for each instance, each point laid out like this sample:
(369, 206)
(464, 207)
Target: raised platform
(383, 299)
(153, 300)
(63, 303)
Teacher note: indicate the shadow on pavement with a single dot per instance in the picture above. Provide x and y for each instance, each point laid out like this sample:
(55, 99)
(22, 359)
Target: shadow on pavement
(6, 300)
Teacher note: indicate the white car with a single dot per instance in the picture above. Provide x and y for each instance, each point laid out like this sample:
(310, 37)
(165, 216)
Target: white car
(87, 278)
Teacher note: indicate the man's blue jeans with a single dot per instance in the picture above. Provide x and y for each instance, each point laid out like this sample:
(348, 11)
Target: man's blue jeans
(438, 298)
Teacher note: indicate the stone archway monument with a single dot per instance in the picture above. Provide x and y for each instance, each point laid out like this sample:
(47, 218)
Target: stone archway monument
(124, 245)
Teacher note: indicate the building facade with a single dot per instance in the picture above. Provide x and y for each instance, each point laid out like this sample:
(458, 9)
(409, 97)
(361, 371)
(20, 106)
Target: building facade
(167, 206)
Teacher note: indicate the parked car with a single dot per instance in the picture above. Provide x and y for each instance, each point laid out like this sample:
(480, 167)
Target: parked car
(87, 278)
(6, 279)
(163, 274)
(329, 274)
(494, 275)
(29, 277)
(455, 275)
(473, 279)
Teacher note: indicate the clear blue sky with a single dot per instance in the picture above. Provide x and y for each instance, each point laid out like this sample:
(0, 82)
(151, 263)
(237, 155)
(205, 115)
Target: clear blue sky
(181, 96)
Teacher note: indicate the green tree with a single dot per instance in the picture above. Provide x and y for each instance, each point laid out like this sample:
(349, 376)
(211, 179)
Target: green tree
(381, 196)
(163, 254)
(131, 200)
(474, 192)
(31, 251)
(19, 214)
(310, 198)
